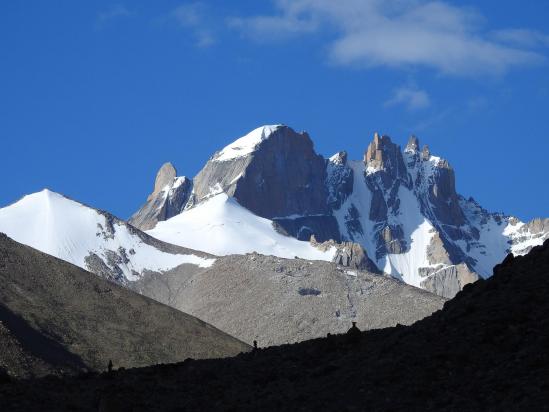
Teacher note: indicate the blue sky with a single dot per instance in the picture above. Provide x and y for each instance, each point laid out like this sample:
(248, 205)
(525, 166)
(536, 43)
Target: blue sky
(96, 95)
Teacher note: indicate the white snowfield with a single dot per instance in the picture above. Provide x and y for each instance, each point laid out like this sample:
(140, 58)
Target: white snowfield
(66, 229)
(245, 145)
(221, 226)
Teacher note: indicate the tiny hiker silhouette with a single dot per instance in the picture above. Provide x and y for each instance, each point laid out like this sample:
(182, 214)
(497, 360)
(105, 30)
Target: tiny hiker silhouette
(255, 345)
(110, 366)
(353, 334)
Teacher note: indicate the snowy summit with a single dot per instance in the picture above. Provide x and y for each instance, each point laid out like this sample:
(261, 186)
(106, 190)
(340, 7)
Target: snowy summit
(245, 145)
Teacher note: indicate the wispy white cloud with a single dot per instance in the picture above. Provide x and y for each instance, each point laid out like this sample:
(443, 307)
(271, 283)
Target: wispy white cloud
(114, 12)
(522, 37)
(395, 33)
(410, 97)
(267, 28)
(193, 17)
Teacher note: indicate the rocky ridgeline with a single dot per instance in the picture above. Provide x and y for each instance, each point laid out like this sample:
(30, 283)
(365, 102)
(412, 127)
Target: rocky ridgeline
(400, 206)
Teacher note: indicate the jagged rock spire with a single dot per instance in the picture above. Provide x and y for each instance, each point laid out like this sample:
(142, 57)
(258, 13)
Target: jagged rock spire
(165, 176)
(413, 144)
(169, 197)
(384, 155)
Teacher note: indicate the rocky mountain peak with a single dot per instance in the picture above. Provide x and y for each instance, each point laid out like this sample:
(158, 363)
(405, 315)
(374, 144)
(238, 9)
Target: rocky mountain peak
(340, 158)
(273, 171)
(425, 153)
(413, 145)
(381, 153)
(164, 177)
(385, 157)
(169, 198)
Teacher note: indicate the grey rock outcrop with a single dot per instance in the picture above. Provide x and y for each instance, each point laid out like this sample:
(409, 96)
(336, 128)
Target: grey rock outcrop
(164, 177)
(353, 255)
(448, 280)
(385, 157)
(169, 197)
(282, 177)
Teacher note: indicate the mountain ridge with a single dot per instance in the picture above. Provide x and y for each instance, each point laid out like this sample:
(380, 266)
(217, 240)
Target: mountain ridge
(57, 318)
(401, 206)
(92, 239)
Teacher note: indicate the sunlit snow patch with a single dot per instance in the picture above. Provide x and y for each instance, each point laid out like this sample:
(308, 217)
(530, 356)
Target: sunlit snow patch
(221, 226)
(245, 145)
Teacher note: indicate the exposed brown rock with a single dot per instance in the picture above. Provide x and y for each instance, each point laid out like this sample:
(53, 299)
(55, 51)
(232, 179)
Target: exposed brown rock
(164, 177)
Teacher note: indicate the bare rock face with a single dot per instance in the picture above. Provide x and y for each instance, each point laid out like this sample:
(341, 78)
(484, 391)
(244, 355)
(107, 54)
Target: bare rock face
(285, 177)
(353, 255)
(348, 254)
(339, 180)
(436, 252)
(393, 240)
(443, 196)
(449, 280)
(281, 179)
(323, 227)
(169, 197)
(385, 157)
(384, 175)
(164, 177)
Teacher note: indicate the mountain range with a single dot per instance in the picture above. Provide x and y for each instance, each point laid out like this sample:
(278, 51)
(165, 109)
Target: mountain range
(252, 297)
(400, 206)
(394, 211)
(269, 242)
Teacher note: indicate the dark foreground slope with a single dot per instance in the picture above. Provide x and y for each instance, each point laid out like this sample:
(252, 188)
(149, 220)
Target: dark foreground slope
(56, 317)
(486, 350)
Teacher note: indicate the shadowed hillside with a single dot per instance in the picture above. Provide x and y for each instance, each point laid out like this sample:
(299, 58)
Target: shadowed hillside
(486, 350)
(56, 318)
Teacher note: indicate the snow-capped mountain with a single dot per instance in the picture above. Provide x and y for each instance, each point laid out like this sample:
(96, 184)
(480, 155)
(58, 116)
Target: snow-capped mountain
(400, 206)
(90, 238)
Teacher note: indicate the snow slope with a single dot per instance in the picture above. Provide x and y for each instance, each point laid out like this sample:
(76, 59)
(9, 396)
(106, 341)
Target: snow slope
(416, 228)
(221, 226)
(245, 145)
(66, 229)
(419, 231)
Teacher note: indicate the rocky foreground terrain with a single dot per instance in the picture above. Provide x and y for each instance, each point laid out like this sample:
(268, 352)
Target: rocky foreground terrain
(56, 318)
(276, 301)
(486, 350)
